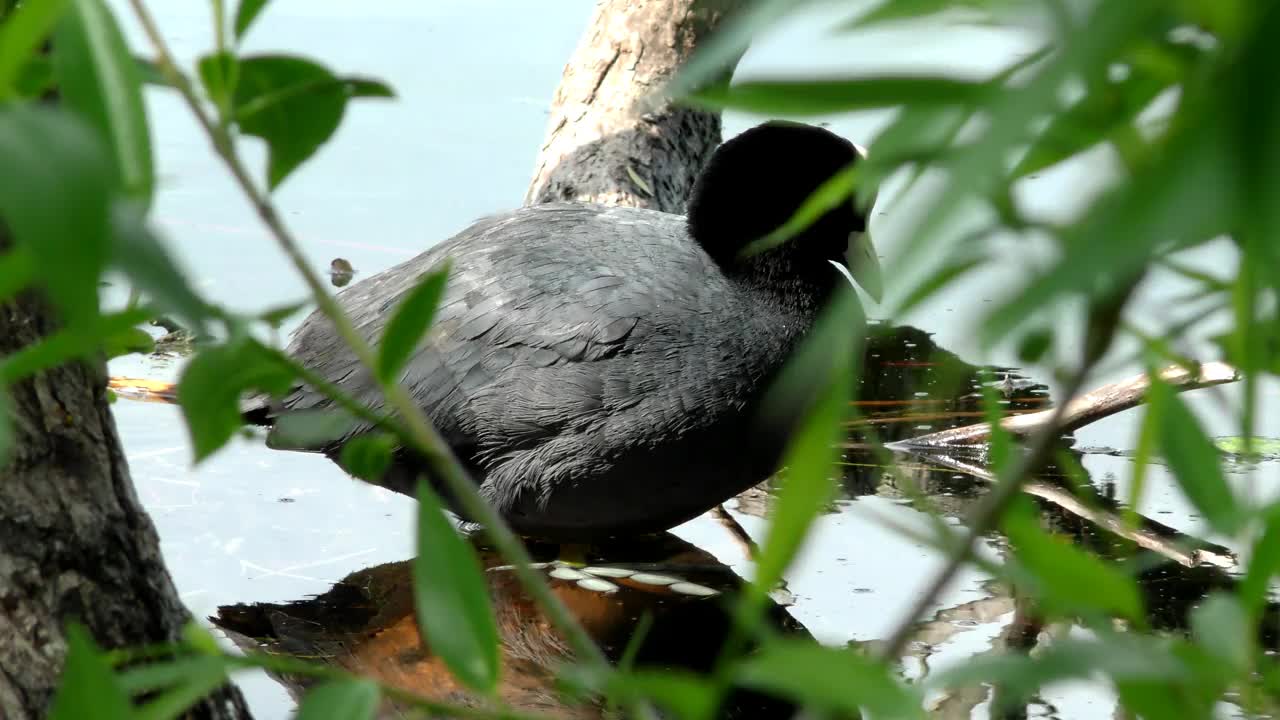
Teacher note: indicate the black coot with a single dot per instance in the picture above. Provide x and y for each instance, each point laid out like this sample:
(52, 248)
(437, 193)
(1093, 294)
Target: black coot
(598, 369)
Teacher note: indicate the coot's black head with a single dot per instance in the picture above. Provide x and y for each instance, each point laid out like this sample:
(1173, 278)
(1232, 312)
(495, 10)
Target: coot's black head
(756, 181)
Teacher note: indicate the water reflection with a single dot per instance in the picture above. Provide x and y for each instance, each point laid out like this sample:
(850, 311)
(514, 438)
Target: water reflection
(365, 624)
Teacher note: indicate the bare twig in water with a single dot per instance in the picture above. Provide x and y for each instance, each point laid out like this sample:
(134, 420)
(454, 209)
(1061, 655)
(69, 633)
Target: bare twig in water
(1161, 539)
(1083, 410)
(735, 529)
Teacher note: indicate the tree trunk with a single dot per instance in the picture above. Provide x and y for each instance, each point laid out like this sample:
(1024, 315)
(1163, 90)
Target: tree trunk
(74, 542)
(609, 140)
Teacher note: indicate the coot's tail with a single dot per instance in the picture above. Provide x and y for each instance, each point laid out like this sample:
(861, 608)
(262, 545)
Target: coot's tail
(160, 391)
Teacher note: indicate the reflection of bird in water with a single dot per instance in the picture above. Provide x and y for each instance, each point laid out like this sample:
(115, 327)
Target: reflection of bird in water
(365, 624)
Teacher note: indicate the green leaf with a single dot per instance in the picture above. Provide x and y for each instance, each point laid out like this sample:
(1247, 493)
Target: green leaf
(452, 598)
(368, 456)
(128, 341)
(293, 104)
(1194, 461)
(834, 679)
(1264, 563)
(163, 674)
(149, 73)
(21, 35)
(87, 688)
(1222, 627)
(17, 270)
(48, 156)
(198, 683)
(815, 387)
(340, 699)
(219, 73)
(212, 384)
(824, 97)
(410, 322)
(833, 191)
(1183, 195)
(246, 13)
(35, 79)
(99, 78)
(715, 56)
(140, 255)
(310, 429)
(1122, 658)
(1064, 577)
(685, 694)
(896, 10)
(69, 344)
(275, 317)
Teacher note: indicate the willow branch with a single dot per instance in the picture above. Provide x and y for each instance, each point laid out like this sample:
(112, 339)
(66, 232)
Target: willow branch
(424, 436)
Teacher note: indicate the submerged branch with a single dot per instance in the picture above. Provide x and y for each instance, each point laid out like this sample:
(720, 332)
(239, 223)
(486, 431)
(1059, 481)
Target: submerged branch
(1081, 411)
(1151, 535)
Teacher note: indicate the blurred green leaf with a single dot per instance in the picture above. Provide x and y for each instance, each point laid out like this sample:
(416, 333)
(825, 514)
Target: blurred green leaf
(1103, 111)
(149, 73)
(1194, 461)
(214, 381)
(1183, 195)
(1264, 563)
(159, 675)
(88, 688)
(368, 456)
(833, 191)
(1064, 577)
(1222, 627)
(98, 78)
(815, 387)
(452, 598)
(70, 344)
(246, 13)
(1127, 657)
(275, 317)
(35, 79)
(824, 97)
(17, 270)
(127, 341)
(140, 255)
(310, 429)
(340, 699)
(833, 679)
(715, 56)
(685, 694)
(191, 689)
(219, 73)
(895, 10)
(50, 154)
(293, 104)
(21, 35)
(410, 322)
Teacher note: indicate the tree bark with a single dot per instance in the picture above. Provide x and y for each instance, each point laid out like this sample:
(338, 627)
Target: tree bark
(611, 139)
(75, 544)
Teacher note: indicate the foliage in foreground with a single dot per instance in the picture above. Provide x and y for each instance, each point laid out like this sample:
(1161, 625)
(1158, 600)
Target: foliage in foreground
(1180, 92)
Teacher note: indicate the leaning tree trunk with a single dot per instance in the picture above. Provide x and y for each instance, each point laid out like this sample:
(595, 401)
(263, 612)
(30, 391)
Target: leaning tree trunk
(610, 140)
(74, 542)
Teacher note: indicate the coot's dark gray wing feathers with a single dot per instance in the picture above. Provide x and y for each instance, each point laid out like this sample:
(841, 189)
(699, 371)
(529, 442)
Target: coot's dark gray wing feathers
(532, 302)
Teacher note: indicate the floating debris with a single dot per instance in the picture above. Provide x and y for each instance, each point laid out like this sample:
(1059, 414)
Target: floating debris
(341, 272)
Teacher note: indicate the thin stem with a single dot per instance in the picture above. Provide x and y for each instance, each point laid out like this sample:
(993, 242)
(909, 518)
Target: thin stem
(986, 516)
(426, 439)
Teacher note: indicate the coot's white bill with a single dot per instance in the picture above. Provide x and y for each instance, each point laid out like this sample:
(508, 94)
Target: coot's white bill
(863, 265)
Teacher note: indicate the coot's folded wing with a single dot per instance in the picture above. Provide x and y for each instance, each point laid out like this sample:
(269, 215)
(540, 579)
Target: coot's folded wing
(533, 303)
